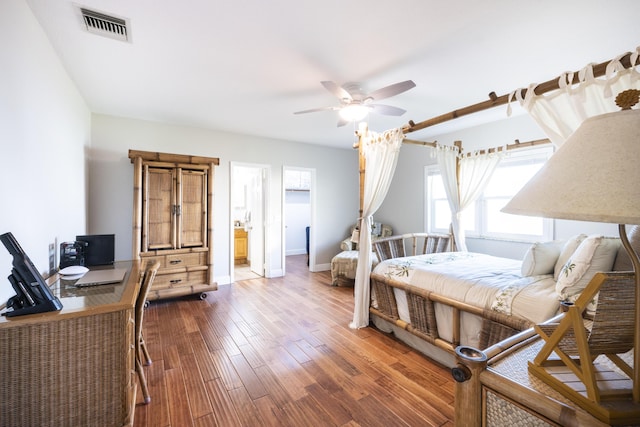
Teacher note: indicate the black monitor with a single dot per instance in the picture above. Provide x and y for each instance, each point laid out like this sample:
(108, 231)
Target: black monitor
(99, 249)
(32, 293)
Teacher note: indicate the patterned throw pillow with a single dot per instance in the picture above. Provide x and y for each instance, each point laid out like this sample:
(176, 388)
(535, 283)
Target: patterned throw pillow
(595, 254)
(569, 248)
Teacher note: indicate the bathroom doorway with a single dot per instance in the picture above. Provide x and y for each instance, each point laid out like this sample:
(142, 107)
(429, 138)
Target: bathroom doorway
(248, 205)
(298, 196)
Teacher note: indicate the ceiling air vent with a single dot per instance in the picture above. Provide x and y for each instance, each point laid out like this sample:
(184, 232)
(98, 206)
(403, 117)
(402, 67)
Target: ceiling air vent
(105, 25)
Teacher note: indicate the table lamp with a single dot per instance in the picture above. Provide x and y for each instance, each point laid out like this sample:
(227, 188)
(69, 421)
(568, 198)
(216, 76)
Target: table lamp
(595, 176)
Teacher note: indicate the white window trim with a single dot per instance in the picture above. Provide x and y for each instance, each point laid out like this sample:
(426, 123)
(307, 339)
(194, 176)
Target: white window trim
(480, 227)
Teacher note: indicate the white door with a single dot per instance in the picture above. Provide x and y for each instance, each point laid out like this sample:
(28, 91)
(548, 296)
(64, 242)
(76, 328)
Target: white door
(249, 198)
(256, 223)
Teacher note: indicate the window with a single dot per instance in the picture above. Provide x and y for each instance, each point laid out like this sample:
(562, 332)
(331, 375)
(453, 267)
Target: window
(297, 180)
(484, 218)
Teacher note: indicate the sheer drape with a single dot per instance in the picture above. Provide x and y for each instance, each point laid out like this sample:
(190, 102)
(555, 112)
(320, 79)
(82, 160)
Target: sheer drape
(475, 171)
(561, 112)
(447, 157)
(380, 152)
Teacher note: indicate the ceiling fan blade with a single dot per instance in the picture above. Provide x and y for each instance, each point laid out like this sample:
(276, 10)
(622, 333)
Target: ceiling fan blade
(342, 122)
(392, 90)
(387, 110)
(314, 110)
(338, 91)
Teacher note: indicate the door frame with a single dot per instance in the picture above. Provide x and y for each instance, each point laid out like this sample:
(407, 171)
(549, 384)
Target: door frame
(312, 215)
(265, 173)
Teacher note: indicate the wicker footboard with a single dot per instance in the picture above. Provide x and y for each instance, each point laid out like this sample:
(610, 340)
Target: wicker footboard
(423, 324)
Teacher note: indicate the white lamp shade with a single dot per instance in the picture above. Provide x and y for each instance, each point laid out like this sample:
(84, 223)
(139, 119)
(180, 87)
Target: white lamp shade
(593, 176)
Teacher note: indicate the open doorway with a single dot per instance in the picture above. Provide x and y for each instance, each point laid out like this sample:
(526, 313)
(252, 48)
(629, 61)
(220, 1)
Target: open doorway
(248, 205)
(298, 214)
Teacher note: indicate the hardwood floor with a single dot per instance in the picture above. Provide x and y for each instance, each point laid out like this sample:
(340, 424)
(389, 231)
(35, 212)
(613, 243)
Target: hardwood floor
(279, 352)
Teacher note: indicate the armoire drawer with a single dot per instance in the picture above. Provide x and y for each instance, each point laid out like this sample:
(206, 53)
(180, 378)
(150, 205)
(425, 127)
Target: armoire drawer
(173, 280)
(173, 261)
(185, 260)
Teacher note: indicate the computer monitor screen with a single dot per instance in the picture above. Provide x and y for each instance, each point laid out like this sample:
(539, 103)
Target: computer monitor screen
(100, 249)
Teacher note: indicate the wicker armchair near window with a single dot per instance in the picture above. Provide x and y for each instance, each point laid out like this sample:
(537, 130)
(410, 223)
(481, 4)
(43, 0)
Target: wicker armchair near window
(344, 264)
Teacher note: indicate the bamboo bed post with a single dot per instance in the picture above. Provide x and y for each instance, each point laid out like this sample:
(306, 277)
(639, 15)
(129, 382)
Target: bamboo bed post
(457, 144)
(362, 164)
(468, 391)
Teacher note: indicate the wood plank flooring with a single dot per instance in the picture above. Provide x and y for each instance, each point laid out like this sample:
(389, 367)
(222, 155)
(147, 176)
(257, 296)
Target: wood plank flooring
(279, 352)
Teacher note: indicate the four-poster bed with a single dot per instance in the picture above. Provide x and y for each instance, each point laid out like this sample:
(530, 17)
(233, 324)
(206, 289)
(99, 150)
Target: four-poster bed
(471, 400)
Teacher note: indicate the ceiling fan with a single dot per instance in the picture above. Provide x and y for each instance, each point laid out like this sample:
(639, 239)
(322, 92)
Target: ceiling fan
(355, 104)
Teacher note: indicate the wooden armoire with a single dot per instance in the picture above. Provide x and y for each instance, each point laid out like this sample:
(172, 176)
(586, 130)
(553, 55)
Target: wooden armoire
(173, 220)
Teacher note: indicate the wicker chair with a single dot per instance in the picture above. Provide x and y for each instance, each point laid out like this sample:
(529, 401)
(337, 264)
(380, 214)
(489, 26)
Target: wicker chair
(577, 342)
(421, 243)
(141, 348)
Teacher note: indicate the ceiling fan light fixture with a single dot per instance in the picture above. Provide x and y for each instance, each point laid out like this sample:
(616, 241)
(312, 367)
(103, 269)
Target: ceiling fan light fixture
(354, 112)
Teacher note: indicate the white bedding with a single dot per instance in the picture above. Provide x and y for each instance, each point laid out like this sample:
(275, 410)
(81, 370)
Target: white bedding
(477, 279)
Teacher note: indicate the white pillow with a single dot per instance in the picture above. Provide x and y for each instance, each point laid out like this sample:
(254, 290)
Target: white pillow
(541, 258)
(595, 253)
(569, 248)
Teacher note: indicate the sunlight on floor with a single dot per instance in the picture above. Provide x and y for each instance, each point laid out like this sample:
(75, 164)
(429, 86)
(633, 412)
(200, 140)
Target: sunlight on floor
(243, 272)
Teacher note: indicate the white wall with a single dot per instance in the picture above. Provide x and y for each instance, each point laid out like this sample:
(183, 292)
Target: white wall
(111, 182)
(404, 206)
(44, 133)
(297, 218)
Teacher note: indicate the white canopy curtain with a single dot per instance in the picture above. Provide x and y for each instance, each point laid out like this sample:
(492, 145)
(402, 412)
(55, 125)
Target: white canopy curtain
(380, 153)
(475, 171)
(561, 112)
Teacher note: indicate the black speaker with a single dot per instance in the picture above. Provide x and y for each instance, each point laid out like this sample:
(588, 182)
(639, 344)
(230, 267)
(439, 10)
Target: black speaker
(100, 249)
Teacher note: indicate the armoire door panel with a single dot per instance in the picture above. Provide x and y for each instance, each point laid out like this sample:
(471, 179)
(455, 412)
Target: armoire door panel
(159, 210)
(193, 190)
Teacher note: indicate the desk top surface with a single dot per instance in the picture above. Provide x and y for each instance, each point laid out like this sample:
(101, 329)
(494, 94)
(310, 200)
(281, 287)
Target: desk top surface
(86, 300)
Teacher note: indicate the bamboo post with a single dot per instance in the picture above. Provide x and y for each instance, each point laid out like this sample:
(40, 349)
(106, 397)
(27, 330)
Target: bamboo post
(362, 164)
(468, 388)
(137, 207)
(454, 241)
(599, 70)
(210, 228)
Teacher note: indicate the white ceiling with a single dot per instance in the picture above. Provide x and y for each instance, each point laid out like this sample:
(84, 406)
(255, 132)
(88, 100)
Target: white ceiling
(245, 66)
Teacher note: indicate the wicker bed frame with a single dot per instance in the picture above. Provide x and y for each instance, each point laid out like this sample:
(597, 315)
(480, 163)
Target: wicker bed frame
(495, 326)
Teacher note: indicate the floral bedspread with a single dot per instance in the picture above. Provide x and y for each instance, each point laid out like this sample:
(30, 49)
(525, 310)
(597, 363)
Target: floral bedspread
(481, 280)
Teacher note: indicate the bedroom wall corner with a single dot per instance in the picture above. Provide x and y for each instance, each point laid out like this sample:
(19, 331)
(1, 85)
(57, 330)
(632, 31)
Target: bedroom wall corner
(45, 131)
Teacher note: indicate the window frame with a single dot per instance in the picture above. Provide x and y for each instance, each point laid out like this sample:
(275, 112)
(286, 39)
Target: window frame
(480, 224)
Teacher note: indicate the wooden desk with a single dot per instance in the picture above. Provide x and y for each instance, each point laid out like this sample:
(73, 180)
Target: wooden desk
(74, 367)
